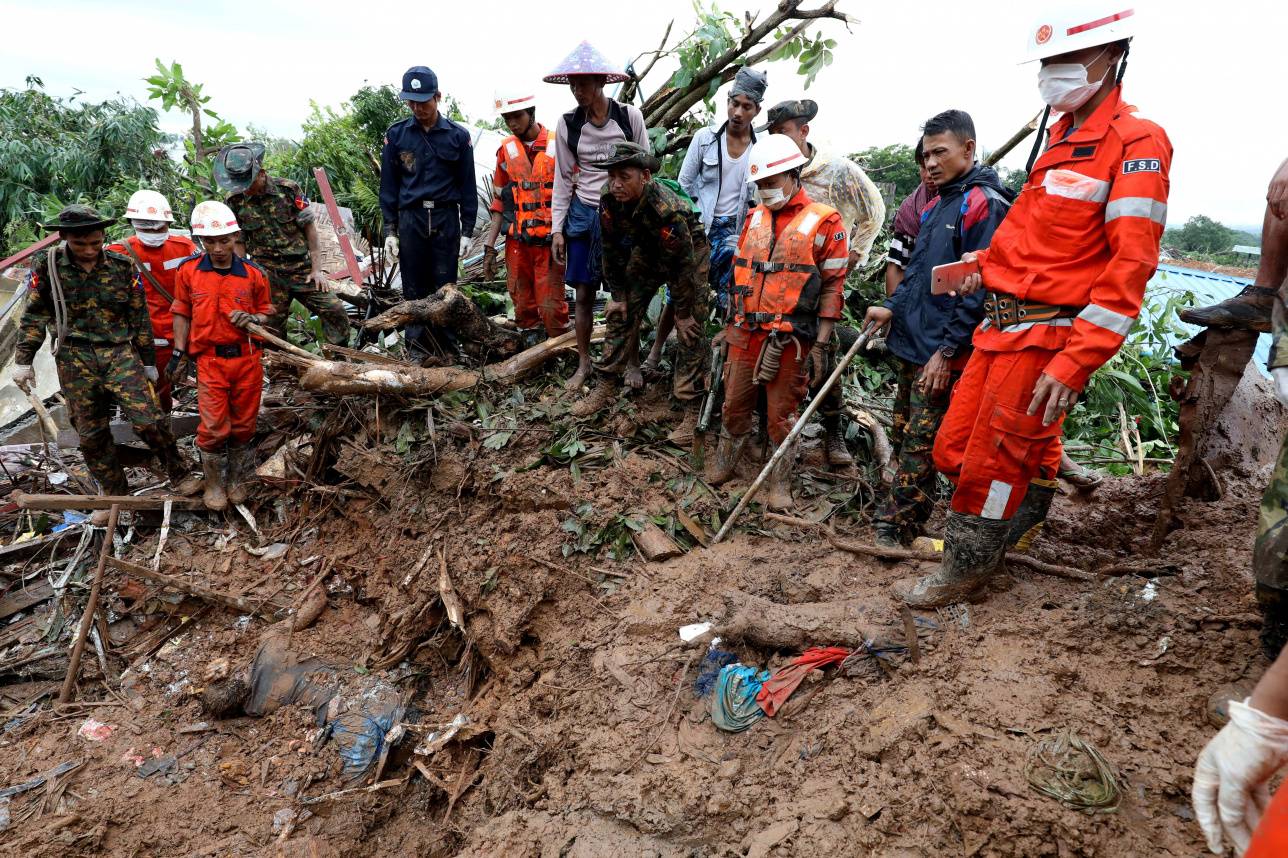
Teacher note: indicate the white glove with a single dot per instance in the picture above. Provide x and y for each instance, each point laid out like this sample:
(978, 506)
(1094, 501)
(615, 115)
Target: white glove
(466, 241)
(150, 372)
(391, 248)
(1232, 775)
(1280, 375)
(24, 376)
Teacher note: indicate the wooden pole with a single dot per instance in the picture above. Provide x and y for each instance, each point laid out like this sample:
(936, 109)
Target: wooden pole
(1016, 139)
(91, 607)
(53, 502)
(819, 395)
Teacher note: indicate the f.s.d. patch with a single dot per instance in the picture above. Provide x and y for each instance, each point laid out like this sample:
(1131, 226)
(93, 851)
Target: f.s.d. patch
(408, 159)
(1142, 165)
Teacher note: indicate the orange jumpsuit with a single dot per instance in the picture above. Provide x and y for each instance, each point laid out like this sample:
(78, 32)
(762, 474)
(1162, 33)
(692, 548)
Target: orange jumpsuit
(1270, 840)
(161, 263)
(230, 375)
(784, 283)
(523, 185)
(1083, 235)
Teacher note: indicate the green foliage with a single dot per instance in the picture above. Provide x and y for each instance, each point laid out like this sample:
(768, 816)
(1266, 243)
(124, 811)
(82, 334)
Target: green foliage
(590, 533)
(894, 163)
(812, 55)
(1013, 179)
(210, 132)
(1201, 234)
(55, 151)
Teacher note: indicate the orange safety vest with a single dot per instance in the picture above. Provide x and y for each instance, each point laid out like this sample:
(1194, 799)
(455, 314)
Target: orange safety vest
(532, 185)
(778, 283)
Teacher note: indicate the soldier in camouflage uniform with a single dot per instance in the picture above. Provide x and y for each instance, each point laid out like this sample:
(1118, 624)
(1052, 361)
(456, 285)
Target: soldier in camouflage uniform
(279, 235)
(1270, 552)
(102, 346)
(651, 236)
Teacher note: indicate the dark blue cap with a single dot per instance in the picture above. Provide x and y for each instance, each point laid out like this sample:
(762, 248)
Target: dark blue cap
(419, 84)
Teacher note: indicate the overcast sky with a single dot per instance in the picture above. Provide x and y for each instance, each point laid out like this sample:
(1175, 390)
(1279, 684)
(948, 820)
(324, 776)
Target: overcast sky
(1210, 73)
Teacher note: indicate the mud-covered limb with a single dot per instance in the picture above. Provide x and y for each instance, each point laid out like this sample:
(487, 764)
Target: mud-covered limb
(881, 447)
(345, 379)
(242, 604)
(795, 627)
(448, 308)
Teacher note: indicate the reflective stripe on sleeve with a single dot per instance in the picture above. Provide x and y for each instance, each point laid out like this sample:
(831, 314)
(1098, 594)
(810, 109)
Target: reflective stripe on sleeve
(833, 264)
(1137, 207)
(1107, 319)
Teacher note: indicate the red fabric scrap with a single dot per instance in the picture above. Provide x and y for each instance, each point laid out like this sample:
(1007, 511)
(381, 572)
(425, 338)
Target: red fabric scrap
(774, 693)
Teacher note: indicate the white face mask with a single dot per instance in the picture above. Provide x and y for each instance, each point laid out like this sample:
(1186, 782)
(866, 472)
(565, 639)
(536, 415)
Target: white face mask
(1065, 87)
(773, 198)
(152, 239)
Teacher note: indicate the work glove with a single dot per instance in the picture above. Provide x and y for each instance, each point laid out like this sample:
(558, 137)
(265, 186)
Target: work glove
(179, 366)
(391, 249)
(1232, 775)
(1280, 375)
(466, 241)
(820, 364)
(150, 373)
(24, 376)
(243, 320)
(489, 263)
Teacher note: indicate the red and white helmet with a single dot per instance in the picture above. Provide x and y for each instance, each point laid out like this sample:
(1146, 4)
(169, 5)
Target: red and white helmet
(774, 154)
(213, 218)
(510, 102)
(1064, 27)
(148, 205)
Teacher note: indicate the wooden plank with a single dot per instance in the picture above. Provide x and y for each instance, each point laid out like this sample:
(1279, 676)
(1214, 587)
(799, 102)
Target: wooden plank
(17, 549)
(243, 604)
(24, 598)
(27, 501)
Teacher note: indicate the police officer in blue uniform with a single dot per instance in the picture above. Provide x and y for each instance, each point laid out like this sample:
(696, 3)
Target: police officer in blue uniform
(427, 193)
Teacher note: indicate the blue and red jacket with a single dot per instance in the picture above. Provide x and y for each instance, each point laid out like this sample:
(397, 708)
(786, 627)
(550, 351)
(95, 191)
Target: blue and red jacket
(960, 219)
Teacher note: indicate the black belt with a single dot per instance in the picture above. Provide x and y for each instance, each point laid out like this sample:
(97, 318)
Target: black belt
(232, 351)
(1006, 311)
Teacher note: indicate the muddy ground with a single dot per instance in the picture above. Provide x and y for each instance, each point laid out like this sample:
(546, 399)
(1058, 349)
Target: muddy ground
(585, 736)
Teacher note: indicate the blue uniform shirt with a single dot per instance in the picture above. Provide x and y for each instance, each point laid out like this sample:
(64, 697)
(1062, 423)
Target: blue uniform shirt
(416, 166)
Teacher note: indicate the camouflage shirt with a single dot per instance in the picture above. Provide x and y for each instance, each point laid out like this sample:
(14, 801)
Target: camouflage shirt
(656, 240)
(105, 306)
(1279, 331)
(272, 224)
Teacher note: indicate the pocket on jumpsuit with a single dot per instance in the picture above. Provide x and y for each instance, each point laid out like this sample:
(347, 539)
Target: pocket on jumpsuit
(1017, 438)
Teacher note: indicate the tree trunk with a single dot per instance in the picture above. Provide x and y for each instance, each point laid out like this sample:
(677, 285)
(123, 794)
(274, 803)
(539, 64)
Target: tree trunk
(448, 308)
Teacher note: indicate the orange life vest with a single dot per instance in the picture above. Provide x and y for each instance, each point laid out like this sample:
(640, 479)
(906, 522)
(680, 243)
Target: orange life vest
(778, 283)
(532, 185)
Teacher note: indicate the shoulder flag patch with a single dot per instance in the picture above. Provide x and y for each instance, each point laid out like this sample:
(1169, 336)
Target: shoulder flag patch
(838, 236)
(1142, 165)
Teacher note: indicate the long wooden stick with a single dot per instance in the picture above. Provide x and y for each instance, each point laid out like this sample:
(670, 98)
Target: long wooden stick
(859, 342)
(91, 607)
(30, 501)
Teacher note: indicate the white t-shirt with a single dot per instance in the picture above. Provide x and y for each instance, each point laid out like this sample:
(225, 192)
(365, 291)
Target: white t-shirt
(733, 180)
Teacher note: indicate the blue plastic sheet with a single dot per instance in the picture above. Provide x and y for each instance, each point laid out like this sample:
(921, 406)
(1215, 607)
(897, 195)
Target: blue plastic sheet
(733, 701)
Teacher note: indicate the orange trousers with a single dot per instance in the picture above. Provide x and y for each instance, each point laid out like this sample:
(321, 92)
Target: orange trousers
(536, 285)
(228, 395)
(1270, 840)
(988, 445)
(783, 395)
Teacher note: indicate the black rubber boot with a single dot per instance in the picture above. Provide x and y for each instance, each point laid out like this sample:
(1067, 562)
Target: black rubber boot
(1027, 523)
(1248, 311)
(241, 464)
(887, 534)
(973, 549)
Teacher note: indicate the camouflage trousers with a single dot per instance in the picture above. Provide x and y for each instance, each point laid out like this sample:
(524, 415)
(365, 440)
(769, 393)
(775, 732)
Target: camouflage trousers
(291, 282)
(622, 340)
(96, 378)
(916, 422)
(1270, 558)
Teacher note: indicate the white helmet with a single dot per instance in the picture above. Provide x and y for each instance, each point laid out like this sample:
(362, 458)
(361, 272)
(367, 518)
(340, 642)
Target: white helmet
(774, 154)
(213, 218)
(1065, 27)
(148, 205)
(509, 102)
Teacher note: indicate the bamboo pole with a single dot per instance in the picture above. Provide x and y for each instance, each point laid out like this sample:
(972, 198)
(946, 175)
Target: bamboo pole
(91, 607)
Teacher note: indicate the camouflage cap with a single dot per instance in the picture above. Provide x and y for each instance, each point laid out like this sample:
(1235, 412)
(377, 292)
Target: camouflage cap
(801, 108)
(79, 218)
(237, 165)
(629, 154)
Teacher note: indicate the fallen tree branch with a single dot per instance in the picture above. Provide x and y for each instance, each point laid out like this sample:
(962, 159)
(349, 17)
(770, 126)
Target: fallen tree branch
(795, 627)
(242, 604)
(55, 502)
(448, 308)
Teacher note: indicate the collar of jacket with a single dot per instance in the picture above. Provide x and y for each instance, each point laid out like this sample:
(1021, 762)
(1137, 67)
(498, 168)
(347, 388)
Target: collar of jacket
(441, 124)
(1095, 126)
(65, 258)
(798, 201)
(237, 269)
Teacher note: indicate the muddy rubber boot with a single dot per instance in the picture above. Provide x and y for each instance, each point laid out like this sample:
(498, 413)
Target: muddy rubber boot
(601, 396)
(212, 465)
(721, 466)
(1026, 525)
(834, 450)
(778, 493)
(973, 549)
(886, 534)
(182, 479)
(240, 466)
(1248, 311)
(682, 435)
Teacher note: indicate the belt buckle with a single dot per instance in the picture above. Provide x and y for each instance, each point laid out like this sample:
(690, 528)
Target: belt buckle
(429, 204)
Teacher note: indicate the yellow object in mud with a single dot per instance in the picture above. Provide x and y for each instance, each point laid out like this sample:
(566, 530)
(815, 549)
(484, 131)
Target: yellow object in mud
(925, 543)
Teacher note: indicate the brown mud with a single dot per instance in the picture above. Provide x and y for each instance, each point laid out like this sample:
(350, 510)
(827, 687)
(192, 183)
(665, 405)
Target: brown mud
(584, 735)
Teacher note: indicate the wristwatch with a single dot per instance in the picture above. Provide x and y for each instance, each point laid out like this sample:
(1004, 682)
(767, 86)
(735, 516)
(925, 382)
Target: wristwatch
(949, 352)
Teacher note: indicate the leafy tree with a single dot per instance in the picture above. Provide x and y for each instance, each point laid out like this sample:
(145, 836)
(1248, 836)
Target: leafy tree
(210, 132)
(55, 151)
(1201, 234)
(894, 163)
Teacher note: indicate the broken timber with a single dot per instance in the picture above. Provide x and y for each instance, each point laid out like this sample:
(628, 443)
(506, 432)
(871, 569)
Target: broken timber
(244, 604)
(48, 502)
